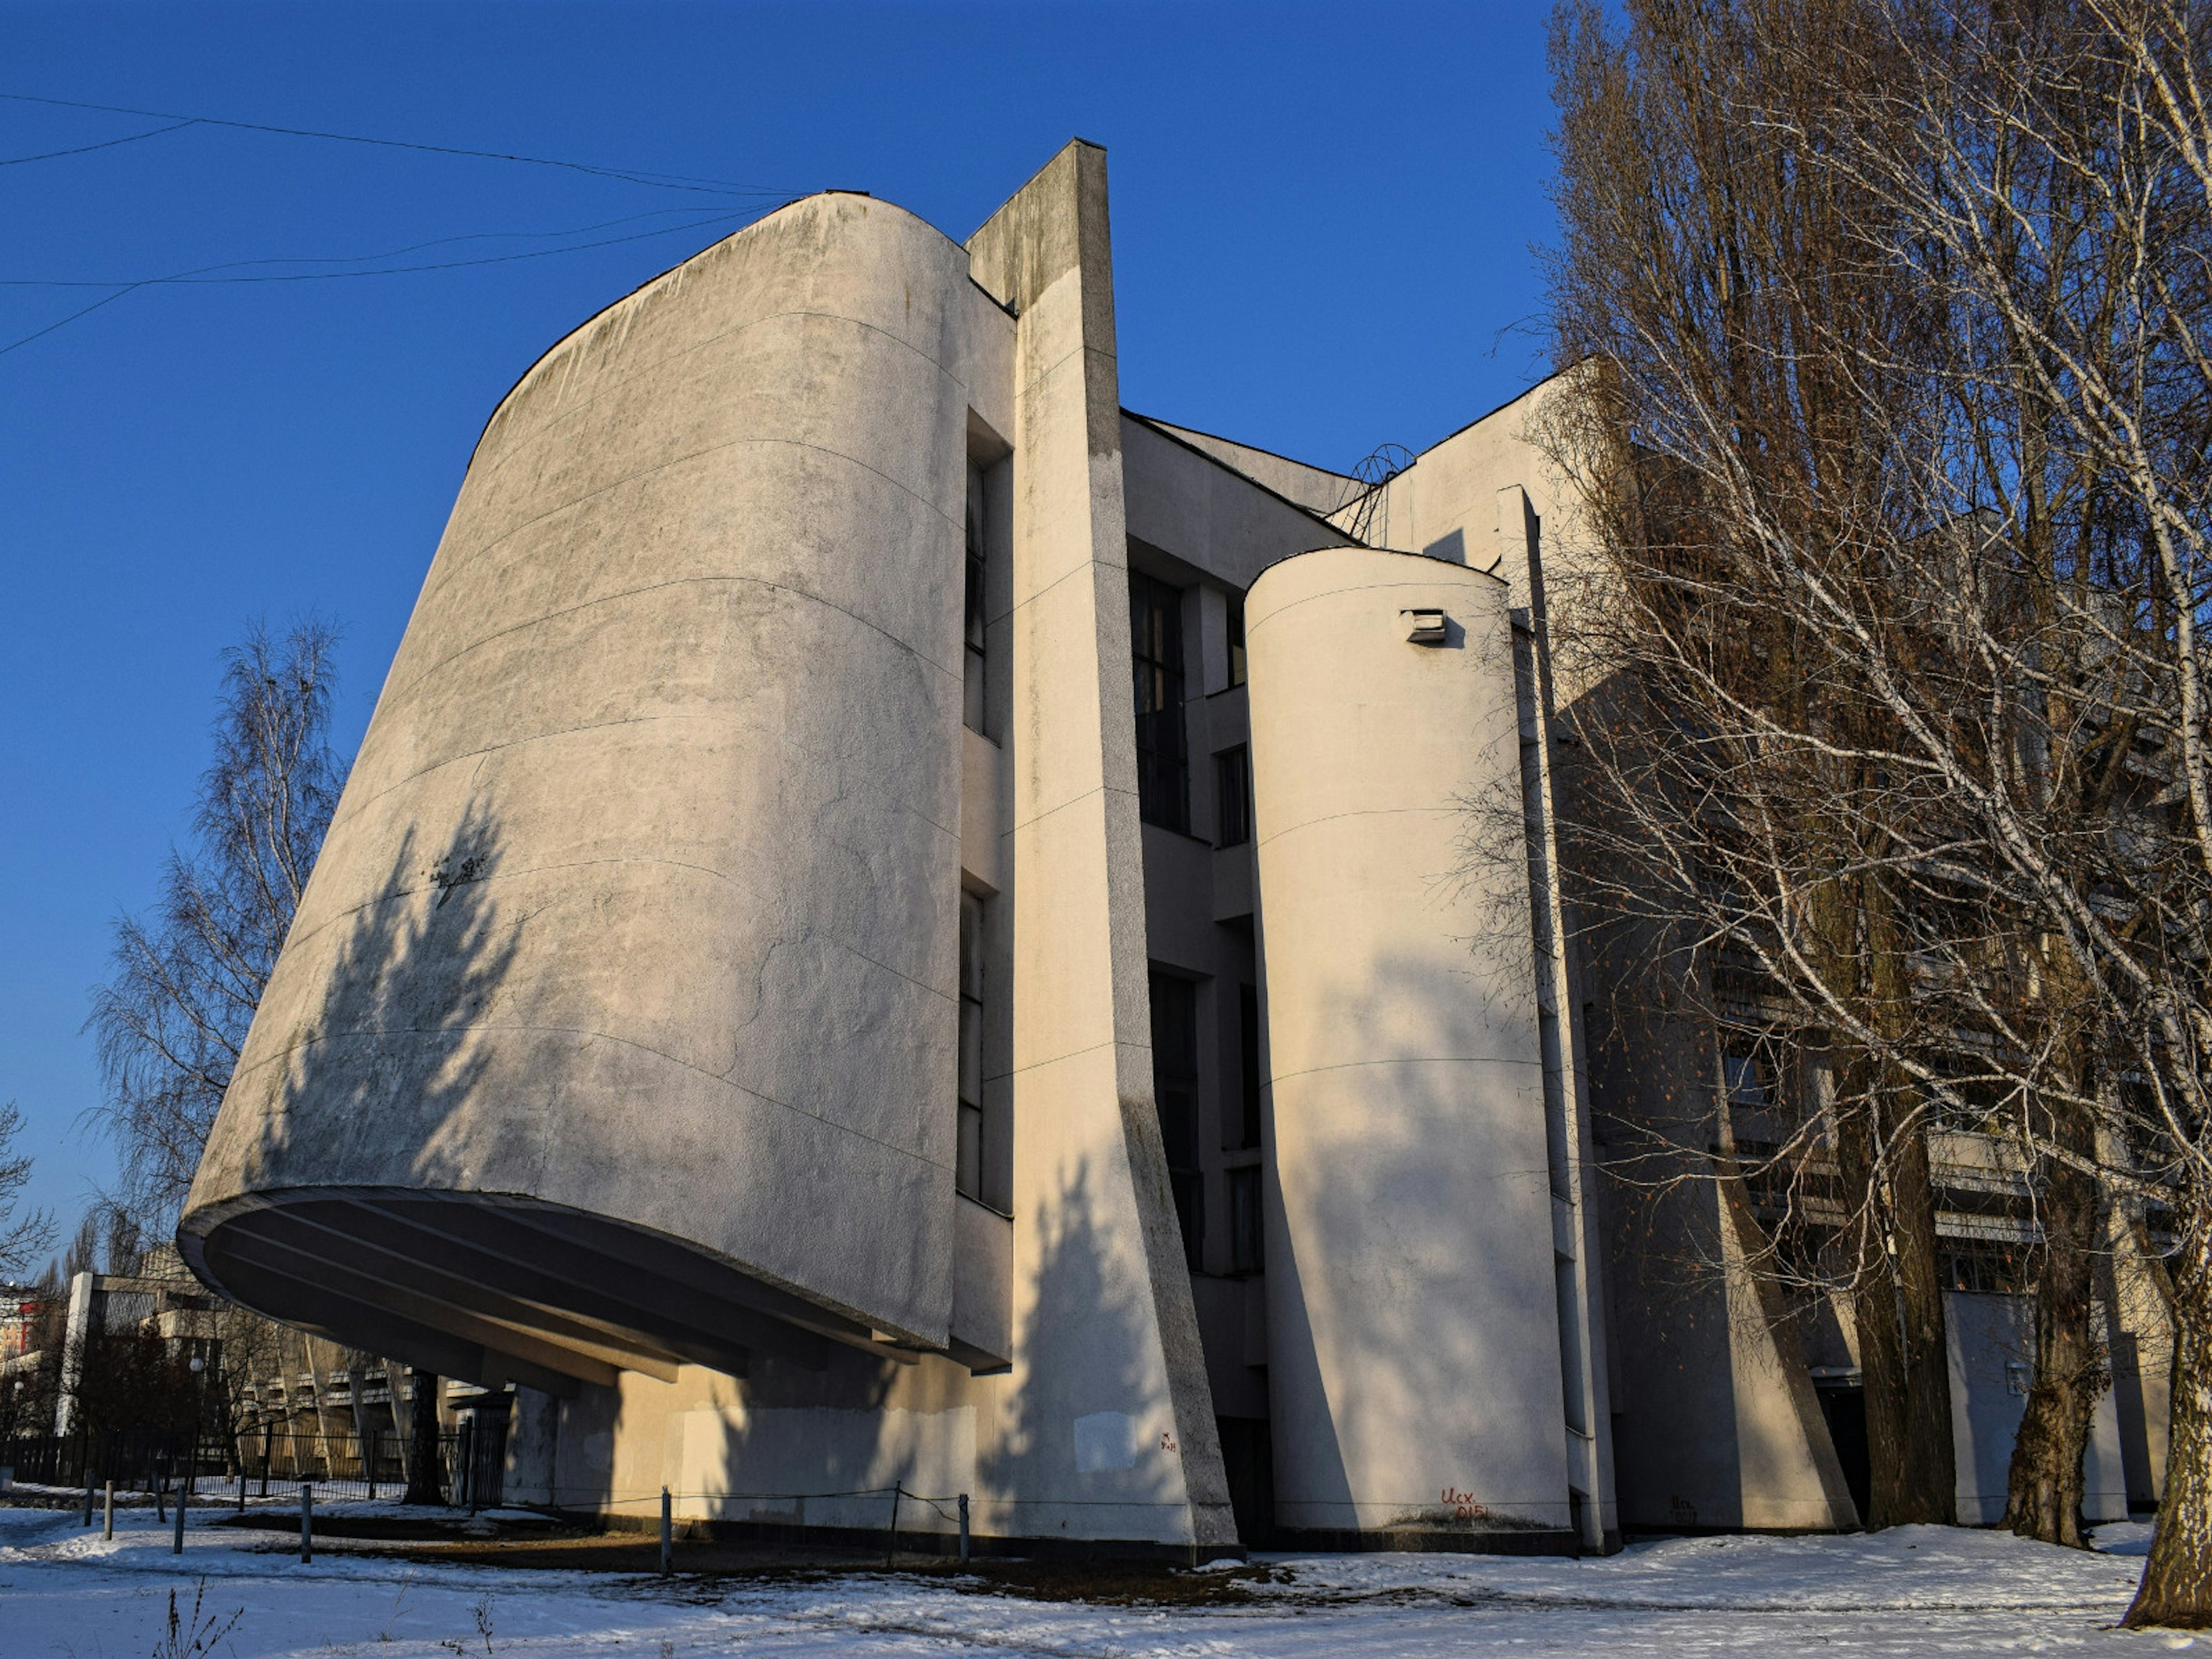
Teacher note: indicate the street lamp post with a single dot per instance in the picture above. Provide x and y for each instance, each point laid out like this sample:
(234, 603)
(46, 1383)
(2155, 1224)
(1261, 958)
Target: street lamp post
(192, 1465)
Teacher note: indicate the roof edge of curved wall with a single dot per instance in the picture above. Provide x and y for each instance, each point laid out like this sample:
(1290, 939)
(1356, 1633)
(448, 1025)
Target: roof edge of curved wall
(1429, 559)
(552, 351)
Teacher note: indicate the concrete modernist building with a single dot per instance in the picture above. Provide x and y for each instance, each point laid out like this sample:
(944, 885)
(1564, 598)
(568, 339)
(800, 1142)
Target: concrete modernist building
(769, 996)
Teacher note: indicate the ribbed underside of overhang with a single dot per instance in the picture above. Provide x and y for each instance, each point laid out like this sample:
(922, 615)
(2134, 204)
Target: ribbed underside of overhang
(496, 1289)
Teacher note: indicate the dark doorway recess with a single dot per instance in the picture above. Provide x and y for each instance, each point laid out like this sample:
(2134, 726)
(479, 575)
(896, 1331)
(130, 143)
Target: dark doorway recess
(1845, 1410)
(1248, 1459)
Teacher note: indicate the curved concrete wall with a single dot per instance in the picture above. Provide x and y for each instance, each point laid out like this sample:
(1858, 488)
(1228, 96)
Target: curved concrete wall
(622, 1008)
(1415, 1376)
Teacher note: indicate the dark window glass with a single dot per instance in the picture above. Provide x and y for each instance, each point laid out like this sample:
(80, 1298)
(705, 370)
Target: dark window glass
(1247, 1035)
(972, 684)
(1232, 796)
(1175, 1086)
(1156, 645)
(1745, 1078)
(968, 1168)
(1236, 639)
(1245, 1252)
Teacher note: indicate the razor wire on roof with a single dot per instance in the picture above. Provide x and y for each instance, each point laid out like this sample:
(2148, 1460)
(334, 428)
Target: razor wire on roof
(1362, 506)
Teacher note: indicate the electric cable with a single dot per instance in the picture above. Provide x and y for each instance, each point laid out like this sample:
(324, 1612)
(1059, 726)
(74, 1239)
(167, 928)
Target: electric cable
(698, 217)
(105, 143)
(633, 175)
(199, 277)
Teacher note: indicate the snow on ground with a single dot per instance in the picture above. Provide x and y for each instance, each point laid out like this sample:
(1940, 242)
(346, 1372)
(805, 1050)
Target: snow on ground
(1921, 1590)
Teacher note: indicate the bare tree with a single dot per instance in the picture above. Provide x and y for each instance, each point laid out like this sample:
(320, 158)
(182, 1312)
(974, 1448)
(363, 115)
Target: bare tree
(187, 977)
(23, 1233)
(174, 1012)
(1979, 540)
(1696, 275)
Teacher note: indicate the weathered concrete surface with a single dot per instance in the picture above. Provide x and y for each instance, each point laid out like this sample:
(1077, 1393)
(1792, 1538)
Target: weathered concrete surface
(1110, 1372)
(1415, 1342)
(641, 899)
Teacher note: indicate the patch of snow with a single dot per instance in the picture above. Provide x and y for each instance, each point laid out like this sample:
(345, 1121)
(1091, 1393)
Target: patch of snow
(65, 1591)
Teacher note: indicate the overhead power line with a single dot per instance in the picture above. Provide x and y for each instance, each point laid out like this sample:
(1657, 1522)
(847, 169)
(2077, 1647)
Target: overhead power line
(763, 200)
(632, 175)
(694, 218)
(201, 274)
(105, 143)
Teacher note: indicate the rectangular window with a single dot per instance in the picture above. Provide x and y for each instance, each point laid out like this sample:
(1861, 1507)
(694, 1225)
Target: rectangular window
(1248, 1045)
(1156, 646)
(1175, 1087)
(1246, 1253)
(1236, 639)
(973, 681)
(1744, 1079)
(1232, 796)
(968, 1170)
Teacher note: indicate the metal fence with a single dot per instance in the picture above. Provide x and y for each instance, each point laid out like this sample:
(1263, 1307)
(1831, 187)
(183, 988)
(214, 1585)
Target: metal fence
(267, 1461)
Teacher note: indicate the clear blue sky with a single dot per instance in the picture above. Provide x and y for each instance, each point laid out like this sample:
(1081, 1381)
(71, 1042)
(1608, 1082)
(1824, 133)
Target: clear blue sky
(1322, 227)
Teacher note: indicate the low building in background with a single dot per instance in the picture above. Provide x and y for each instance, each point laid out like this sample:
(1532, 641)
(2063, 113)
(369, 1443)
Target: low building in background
(900, 926)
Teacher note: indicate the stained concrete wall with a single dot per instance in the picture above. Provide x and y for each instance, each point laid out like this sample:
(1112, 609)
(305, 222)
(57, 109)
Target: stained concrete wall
(1118, 1420)
(1415, 1336)
(664, 785)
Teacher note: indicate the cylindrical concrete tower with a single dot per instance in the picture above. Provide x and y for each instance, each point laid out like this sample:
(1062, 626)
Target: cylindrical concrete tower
(617, 1026)
(1415, 1366)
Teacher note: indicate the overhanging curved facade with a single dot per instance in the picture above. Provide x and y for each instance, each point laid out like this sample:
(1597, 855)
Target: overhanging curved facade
(663, 790)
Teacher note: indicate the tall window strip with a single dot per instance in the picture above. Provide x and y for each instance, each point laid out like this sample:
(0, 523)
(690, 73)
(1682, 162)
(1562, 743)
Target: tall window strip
(1175, 1087)
(1248, 1045)
(1246, 1253)
(1236, 621)
(1162, 759)
(968, 1168)
(1232, 796)
(973, 680)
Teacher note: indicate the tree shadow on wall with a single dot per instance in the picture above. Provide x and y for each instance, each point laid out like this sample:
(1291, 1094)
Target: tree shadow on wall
(1421, 1313)
(1088, 1413)
(388, 1062)
(382, 1085)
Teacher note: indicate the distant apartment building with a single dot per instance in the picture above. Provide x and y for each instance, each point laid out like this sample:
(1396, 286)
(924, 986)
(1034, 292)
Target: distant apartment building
(900, 924)
(19, 1316)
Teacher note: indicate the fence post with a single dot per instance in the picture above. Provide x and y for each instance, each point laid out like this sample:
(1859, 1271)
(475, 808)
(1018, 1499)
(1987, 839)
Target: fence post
(963, 1528)
(107, 1529)
(241, 1486)
(268, 1441)
(468, 1461)
(306, 1519)
(667, 1535)
(368, 1464)
(88, 1495)
(177, 1540)
(890, 1544)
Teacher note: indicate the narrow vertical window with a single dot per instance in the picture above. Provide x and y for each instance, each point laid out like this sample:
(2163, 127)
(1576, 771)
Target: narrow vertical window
(1175, 1087)
(1156, 646)
(968, 1168)
(974, 679)
(1232, 796)
(1247, 1044)
(1236, 621)
(1245, 1252)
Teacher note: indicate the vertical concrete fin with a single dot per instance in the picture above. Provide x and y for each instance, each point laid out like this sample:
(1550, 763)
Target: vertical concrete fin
(1113, 1405)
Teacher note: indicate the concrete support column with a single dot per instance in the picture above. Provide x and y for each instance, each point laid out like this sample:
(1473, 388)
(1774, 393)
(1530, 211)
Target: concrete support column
(1113, 1405)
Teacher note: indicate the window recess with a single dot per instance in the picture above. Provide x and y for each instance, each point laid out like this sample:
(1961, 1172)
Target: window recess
(1156, 650)
(1174, 1088)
